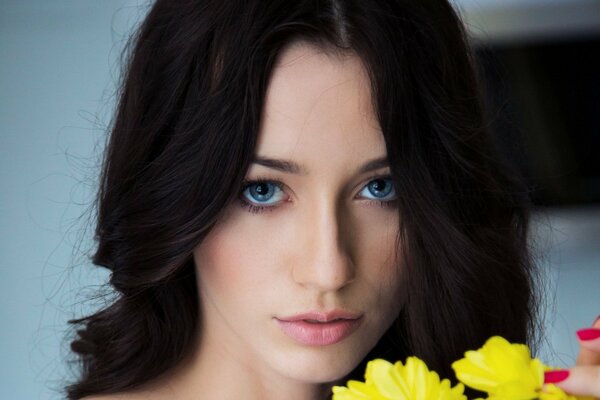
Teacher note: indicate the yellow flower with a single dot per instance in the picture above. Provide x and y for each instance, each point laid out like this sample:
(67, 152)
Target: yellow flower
(506, 371)
(387, 381)
(502, 369)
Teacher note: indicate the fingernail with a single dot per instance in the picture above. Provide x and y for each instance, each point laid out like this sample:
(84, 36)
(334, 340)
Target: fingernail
(596, 320)
(556, 376)
(588, 334)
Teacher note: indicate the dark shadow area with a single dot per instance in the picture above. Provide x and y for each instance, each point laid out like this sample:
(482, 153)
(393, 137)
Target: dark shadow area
(543, 104)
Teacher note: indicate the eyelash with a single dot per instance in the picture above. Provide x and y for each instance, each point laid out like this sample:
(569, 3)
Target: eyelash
(259, 209)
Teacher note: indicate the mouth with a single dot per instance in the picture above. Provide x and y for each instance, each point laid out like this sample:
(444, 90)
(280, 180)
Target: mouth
(320, 329)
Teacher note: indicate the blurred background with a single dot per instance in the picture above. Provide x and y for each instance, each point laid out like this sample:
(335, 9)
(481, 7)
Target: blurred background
(59, 67)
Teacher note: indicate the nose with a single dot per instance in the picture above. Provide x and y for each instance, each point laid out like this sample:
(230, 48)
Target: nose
(325, 264)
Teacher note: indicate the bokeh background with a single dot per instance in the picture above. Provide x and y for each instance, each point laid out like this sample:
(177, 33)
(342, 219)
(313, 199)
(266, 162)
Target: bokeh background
(59, 69)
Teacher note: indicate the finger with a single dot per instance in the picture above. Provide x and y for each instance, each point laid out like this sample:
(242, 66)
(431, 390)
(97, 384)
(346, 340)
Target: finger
(589, 341)
(578, 380)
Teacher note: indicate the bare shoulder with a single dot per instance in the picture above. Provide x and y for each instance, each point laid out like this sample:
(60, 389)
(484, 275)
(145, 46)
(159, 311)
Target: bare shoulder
(156, 389)
(146, 392)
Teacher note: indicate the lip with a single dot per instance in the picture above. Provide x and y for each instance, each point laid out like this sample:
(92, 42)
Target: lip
(320, 328)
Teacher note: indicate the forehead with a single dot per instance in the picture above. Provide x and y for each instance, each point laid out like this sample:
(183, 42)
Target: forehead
(318, 102)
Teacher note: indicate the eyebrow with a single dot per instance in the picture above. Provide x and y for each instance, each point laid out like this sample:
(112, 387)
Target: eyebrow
(291, 167)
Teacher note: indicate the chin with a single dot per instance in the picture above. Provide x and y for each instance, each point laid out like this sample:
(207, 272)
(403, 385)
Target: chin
(320, 364)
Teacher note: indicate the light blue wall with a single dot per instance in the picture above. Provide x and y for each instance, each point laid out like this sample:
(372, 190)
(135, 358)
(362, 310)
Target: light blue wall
(58, 67)
(57, 74)
(568, 248)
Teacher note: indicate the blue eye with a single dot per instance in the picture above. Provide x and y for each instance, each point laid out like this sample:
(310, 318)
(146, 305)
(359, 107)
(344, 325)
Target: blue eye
(262, 192)
(380, 189)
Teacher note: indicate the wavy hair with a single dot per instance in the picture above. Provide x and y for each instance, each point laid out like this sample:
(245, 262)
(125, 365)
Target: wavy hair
(184, 134)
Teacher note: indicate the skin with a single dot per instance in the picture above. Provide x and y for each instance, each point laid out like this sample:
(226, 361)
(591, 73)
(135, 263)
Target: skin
(327, 243)
(584, 377)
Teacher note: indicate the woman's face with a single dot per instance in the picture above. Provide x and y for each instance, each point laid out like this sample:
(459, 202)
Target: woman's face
(299, 278)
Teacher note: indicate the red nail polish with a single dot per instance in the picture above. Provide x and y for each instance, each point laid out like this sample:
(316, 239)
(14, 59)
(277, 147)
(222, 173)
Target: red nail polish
(588, 334)
(556, 376)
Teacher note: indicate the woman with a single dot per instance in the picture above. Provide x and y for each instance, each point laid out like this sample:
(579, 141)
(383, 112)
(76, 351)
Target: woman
(292, 189)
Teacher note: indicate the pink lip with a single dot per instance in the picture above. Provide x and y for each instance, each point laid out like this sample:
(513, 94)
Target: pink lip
(319, 329)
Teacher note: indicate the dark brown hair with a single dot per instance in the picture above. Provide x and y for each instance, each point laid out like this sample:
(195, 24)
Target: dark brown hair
(184, 134)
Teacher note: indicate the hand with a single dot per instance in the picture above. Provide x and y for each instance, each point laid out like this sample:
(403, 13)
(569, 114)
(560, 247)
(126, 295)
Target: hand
(584, 378)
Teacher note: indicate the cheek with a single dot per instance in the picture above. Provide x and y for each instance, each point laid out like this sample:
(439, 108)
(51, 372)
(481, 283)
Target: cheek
(376, 235)
(382, 271)
(232, 258)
